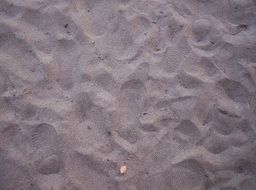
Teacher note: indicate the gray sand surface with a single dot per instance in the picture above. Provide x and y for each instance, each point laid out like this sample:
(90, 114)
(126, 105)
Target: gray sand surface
(166, 88)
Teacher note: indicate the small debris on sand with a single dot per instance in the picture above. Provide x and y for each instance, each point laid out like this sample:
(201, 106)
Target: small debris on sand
(123, 169)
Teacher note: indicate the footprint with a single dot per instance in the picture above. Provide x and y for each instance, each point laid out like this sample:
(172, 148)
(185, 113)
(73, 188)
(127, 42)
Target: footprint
(192, 178)
(183, 106)
(140, 26)
(132, 92)
(133, 84)
(130, 134)
(186, 175)
(187, 127)
(245, 166)
(200, 29)
(245, 129)
(221, 127)
(48, 165)
(106, 81)
(149, 127)
(188, 81)
(156, 181)
(173, 55)
(83, 105)
(44, 135)
(201, 67)
(215, 144)
(11, 133)
(20, 59)
(95, 173)
(234, 90)
(26, 110)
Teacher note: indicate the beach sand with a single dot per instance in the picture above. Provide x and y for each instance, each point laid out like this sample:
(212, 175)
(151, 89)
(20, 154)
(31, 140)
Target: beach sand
(127, 95)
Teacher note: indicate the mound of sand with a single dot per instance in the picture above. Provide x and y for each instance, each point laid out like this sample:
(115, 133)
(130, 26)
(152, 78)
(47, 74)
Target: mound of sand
(163, 91)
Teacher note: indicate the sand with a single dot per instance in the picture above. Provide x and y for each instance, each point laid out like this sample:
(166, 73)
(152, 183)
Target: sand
(127, 95)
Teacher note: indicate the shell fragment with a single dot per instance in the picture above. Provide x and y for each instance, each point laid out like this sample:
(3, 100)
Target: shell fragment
(123, 169)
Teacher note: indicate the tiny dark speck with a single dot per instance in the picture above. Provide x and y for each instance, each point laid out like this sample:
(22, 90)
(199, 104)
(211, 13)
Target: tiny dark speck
(66, 25)
(145, 113)
(239, 169)
(109, 132)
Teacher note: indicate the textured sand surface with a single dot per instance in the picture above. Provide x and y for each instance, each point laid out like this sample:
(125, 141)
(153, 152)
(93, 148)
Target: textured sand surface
(162, 90)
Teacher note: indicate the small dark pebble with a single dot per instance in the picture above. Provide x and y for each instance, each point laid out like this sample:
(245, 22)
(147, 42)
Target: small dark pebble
(223, 112)
(109, 132)
(243, 26)
(66, 25)
(145, 113)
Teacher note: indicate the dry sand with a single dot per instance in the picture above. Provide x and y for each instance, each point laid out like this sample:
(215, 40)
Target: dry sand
(162, 91)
